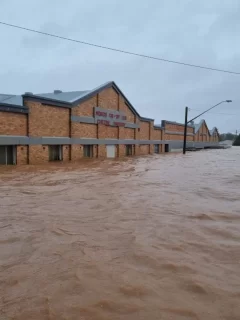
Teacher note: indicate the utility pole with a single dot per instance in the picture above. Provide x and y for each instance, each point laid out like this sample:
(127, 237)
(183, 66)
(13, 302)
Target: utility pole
(188, 121)
(185, 130)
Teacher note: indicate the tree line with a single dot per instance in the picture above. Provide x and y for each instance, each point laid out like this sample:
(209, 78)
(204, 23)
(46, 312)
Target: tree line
(230, 136)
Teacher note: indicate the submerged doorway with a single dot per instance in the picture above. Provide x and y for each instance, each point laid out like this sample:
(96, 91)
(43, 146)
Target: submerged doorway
(55, 152)
(7, 155)
(111, 151)
(129, 150)
(166, 147)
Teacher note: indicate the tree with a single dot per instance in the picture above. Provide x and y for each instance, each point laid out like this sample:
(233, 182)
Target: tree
(227, 136)
(237, 141)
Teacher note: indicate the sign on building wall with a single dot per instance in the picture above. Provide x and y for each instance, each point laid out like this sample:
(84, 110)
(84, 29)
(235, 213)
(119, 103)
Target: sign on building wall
(110, 117)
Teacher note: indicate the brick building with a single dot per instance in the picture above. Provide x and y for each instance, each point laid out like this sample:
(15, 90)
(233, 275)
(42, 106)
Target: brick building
(100, 123)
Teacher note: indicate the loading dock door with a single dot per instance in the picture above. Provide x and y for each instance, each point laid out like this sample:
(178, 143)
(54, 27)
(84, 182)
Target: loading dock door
(2, 155)
(166, 147)
(110, 151)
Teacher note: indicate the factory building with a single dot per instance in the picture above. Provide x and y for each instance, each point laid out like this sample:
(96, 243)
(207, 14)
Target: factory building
(98, 123)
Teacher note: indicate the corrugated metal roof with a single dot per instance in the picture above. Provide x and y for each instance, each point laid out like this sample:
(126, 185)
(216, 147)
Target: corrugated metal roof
(197, 126)
(11, 99)
(70, 96)
(214, 129)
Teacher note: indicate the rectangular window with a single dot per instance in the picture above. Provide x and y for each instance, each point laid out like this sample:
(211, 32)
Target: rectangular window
(156, 148)
(55, 153)
(88, 151)
(129, 150)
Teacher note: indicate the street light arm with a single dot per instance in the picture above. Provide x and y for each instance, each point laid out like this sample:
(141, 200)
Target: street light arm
(186, 122)
(206, 111)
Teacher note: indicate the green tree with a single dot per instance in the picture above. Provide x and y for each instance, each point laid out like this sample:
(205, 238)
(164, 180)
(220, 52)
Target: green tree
(227, 136)
(237, 141)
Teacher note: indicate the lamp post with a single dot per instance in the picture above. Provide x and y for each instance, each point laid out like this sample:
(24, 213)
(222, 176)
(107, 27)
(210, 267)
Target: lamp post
(188, 121)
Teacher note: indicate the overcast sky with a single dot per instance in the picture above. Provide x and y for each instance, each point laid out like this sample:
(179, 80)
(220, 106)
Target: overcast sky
(202, 32)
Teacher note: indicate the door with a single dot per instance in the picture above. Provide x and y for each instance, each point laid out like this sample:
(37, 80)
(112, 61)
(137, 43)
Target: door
(55, 153)
(7, 155)
(156, 148)
(10, 155)
(166, 147)
(2, 155)
(129, 150)
(88, 151)
(110, 151)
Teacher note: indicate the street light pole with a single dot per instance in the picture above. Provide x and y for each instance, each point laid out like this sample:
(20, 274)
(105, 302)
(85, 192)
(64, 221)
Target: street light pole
(188, 121)
(185, 130)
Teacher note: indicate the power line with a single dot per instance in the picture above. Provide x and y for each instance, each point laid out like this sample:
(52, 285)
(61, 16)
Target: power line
(117, 50)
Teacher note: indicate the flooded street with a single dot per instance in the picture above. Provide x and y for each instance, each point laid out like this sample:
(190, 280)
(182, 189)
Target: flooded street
(156, 237)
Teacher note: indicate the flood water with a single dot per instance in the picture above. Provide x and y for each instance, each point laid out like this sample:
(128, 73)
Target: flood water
(156, 237)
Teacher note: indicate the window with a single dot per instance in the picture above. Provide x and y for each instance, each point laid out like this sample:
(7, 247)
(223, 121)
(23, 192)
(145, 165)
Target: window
(88, 151)
(156, 148)
(129, 150)
(55, 153)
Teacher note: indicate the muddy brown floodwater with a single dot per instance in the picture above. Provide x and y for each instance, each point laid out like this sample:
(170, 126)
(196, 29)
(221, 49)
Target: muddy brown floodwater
(150, 238)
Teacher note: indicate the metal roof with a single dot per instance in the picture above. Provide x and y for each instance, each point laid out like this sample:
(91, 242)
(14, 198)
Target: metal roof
(11, 99)
(174, 122)
(197, 126)
(71, 99)
(214, 129)
(70, 96)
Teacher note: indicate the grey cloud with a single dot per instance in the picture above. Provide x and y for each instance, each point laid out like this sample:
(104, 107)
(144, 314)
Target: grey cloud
(198, 32)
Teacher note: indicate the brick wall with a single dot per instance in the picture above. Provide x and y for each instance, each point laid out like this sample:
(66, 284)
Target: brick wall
(14, 124)
(144, 130)
(151, 148)
(177, 137)
(47, 121)
(86, 108)
(202, 134)
(144, 149)
(177, 127)
(214, 137)
(157, 134)
(108, 99)
(129, 133)
(22, 155)
(76, 152)
(38, 154)
(124, 108)
(171, 128)
(66, 153)
(102, 151)
(206, 132)
(121, 150)
(107, 132)
(84, 130)
(54, 122)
